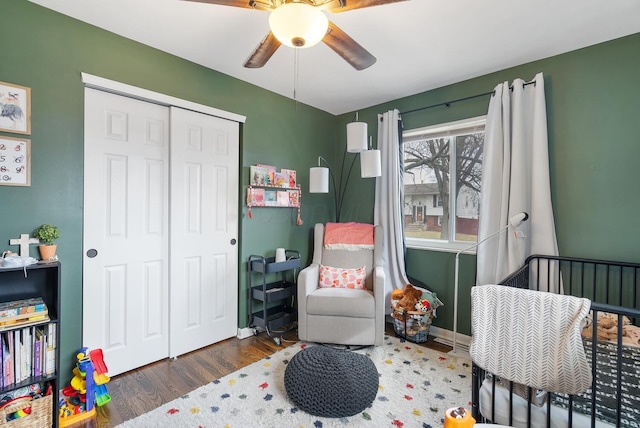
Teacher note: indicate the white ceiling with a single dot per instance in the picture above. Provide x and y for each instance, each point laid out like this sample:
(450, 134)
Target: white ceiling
(420, 44)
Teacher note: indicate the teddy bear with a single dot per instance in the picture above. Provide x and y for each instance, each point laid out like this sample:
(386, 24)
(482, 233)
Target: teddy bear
(410, 297)
(608, 328)
(396, 295)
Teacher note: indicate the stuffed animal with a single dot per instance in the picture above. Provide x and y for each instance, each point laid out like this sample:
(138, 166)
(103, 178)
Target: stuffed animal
(409, 299)
(608, 328)
(396, 295)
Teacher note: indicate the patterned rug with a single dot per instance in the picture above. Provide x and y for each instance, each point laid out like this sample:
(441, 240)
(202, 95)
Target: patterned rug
(417, 386)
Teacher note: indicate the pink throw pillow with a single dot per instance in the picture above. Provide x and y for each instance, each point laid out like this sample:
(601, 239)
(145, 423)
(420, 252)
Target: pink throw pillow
(332, 277)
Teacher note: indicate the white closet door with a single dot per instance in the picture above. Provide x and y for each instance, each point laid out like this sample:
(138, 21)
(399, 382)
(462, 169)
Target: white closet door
(125, 265)
(204, 230)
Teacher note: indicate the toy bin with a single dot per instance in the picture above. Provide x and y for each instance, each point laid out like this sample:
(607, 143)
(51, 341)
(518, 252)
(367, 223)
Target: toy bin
(412, 325)
(27, 412)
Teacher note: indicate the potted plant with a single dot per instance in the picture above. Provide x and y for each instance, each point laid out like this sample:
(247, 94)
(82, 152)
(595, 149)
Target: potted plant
(47, 234)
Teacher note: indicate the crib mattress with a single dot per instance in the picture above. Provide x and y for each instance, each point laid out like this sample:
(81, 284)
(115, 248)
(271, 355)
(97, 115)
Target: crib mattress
(606, 392)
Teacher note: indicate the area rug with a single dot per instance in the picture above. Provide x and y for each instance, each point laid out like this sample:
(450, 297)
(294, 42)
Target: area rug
(417, 385)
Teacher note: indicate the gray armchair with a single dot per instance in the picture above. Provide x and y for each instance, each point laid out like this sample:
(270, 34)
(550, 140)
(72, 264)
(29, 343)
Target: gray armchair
(340, 315)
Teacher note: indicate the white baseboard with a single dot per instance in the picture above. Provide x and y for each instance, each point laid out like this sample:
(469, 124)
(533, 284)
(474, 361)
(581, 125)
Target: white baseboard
(445, 336)
(245, 332)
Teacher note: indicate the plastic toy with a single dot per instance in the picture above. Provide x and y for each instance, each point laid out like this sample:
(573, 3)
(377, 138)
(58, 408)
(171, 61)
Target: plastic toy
(86, 390)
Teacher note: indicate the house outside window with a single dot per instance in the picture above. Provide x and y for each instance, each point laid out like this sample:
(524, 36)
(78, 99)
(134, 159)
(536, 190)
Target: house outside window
(432, 155)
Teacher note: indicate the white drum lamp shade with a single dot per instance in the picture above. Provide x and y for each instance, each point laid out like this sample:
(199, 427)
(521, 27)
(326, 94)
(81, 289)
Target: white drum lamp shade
(370, 164)
(356, 137)
(318, 179)
(298, 25)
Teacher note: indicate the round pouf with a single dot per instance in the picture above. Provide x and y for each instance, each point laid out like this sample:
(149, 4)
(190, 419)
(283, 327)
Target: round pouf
(331, 383)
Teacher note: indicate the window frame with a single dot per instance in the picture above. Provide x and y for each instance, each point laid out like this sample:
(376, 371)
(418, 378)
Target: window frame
(441, 130)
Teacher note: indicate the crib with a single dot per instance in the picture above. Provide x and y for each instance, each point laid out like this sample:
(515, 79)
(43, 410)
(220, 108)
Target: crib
(611, 339)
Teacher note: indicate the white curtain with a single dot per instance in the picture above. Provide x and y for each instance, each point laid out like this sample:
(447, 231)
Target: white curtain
(515, 178)
(387, 209)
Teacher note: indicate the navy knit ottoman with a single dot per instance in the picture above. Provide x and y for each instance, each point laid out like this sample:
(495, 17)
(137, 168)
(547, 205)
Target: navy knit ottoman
(331, 383)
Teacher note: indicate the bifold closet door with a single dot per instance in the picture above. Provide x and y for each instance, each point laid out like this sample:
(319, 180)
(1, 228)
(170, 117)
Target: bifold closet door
(204, 230)
(126, 230)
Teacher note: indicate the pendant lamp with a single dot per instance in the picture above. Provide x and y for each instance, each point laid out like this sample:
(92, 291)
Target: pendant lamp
(356, 137)
(318, 179)
(370, 164)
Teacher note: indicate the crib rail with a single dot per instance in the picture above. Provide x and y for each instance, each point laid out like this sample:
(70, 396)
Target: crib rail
(613, 288)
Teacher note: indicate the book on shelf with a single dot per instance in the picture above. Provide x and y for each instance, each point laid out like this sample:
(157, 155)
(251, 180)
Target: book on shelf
(22, 307)
(282, 198)
(17, 355)
(50, 359)
(281, 179)
(270, 172)
(291, 177)
(27, 352)
(257, 196)
(258, 175)
(270, 198)
(294, 198)
(24, 312)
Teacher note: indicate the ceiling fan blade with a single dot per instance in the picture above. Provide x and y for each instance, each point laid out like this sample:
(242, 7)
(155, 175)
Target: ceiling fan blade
(249, 4)
(347, 48)
(261, 54)
(344, 5)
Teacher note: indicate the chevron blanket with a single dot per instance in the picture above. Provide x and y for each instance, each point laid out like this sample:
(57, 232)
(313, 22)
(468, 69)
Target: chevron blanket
(530, 337)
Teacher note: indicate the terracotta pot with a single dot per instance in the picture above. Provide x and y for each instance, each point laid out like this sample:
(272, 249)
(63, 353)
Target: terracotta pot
(47, 251)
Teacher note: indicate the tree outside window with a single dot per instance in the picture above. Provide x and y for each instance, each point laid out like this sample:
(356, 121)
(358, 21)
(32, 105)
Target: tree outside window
(431, 157)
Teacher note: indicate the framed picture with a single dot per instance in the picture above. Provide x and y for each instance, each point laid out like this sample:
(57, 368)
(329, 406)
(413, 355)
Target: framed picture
(15, 108)
(15, 161)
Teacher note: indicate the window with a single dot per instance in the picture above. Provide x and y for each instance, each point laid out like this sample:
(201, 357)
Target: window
(433, 155)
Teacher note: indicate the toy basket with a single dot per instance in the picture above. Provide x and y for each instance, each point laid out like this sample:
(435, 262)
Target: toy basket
(40, 415)
(412, 325)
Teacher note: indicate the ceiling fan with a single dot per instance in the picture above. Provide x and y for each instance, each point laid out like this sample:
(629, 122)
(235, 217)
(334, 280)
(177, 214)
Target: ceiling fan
(302, 24)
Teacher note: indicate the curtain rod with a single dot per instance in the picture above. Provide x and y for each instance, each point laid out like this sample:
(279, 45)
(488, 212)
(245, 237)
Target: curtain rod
(448, 103)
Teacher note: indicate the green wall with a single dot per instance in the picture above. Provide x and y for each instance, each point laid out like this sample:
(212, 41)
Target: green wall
(593, 108)
(592, 102)
(47, 51)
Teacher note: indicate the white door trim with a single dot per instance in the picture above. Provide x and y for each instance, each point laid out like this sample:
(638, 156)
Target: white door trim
(119, 88)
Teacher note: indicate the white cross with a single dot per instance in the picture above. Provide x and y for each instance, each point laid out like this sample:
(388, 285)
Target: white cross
(24, 242)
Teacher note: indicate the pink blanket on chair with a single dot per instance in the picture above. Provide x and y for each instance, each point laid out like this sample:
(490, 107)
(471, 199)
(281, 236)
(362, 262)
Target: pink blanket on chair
(348, 236)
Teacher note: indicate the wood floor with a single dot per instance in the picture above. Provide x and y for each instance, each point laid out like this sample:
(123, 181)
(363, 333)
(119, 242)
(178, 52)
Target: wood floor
(142, 390)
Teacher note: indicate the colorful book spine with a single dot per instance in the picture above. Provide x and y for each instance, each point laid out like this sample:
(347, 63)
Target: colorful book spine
(50, 365)
(21, 307)
(37, 352)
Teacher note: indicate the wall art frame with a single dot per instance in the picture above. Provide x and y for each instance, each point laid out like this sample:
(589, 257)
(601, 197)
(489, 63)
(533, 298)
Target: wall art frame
(15, 108)
(15, 161)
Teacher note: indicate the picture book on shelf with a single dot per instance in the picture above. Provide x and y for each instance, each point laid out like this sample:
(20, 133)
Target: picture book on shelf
(293, 198)
(270, 198)
(257, 196)
(291, 174)
(258, 176)
(281, 179)
(282, 197)
(270, 172)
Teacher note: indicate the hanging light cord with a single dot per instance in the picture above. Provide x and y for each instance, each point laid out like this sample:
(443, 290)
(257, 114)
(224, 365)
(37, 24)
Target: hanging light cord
(296, 75)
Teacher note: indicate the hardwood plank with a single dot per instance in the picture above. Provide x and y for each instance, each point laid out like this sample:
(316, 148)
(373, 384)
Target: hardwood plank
(142, 390)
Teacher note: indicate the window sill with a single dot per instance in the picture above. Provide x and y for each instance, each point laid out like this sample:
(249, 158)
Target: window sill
(442, 246)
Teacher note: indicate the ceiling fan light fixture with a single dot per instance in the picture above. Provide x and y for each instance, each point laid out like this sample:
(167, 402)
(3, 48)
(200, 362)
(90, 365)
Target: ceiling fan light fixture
(298, 25)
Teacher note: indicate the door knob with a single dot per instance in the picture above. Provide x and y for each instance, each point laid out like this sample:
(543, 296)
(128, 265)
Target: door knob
(233, 241)
(92, 253)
